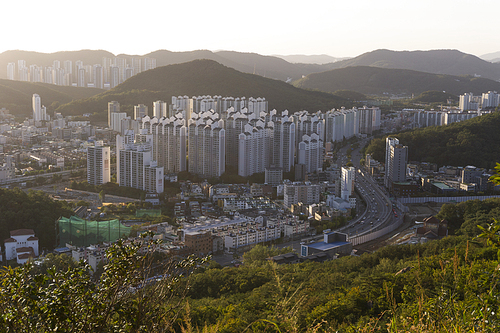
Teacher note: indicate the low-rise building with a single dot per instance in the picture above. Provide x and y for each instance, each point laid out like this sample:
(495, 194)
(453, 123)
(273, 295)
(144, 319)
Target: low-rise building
(333, 243)
(21, 245)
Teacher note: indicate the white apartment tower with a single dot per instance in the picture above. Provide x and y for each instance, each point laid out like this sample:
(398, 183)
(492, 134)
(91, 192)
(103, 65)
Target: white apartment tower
(253, 152)
(113, 107)
(388, 143)
(310, 152)
(347, 182)
(397, 162)
(131, 162)
(283, 141)
(169, 143)
(98, 164)
(159, 109)
(37, 107)
(11, 71)
(207, 151)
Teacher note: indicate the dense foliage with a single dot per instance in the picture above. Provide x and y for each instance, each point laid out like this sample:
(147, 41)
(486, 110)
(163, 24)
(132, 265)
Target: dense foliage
(109, 188)
(16, 96)
(31, 210)
(379, 81)
(471, 142)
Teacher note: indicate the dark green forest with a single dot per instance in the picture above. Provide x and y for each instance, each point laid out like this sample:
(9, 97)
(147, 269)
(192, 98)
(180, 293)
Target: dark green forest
(32, 210)
(471, 142)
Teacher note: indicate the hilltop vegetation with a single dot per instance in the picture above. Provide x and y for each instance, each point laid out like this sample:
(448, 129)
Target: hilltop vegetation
(379, 81)
(16, 96)
(432, 287)
(33, 210)
(204, 77)
(471, 142)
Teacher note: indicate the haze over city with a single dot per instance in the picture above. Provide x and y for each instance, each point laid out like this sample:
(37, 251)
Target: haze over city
(335, 28)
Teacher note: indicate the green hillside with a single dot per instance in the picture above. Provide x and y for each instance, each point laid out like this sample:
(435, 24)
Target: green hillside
(374, 80)
(471, 142)
(451, 62)
(204, 77)
(17, 95)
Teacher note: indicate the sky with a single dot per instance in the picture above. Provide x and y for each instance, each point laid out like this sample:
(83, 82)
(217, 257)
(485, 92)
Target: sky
(345, 28)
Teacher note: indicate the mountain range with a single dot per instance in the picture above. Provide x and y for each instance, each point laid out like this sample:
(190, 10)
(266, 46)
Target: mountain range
(451, 62)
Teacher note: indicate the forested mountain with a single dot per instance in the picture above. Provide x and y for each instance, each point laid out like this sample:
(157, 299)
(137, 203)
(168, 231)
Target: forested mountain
(375, 80)
(471, 142)
(451, 62)
(204, 77)
(16, 96)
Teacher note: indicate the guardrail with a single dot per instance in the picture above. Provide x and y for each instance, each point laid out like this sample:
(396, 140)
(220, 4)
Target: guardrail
(444, 199)
(376, 234)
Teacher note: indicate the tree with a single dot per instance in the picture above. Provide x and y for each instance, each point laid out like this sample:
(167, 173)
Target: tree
(102, 195)
(259, 254)
(132, 294)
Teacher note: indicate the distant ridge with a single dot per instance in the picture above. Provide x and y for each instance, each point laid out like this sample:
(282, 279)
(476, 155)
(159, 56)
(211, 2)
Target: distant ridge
(374, 80)
(491, 57)
(319, 59)
(204, 77)
(451, 62)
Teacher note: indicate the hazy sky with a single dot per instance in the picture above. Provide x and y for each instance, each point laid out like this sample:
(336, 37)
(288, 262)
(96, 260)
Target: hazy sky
(338, 28)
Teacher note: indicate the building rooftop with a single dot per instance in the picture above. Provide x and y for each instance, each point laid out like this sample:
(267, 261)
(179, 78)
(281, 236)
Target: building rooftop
(22, 232)
(326, 246)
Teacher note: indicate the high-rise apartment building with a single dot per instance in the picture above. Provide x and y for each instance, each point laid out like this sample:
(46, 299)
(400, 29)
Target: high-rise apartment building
(206, 151)
(159, 109)
(98, 164)
(140, 111)
(134, 164)
(169, 142)
(114, 76)
(283, 154)
(310, 152)
(347, 178)
(254, 146)
(397, 159)
(11, 71)
(98, 76)
(39, 112)
(388, 143)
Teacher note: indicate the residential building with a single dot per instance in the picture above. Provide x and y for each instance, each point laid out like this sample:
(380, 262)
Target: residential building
(310, 152)
(304, 192)
(206, 152)
(98, 164)
(140, 111)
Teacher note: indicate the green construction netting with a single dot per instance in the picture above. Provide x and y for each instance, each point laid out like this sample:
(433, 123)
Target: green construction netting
(80, 232)
(148, 212)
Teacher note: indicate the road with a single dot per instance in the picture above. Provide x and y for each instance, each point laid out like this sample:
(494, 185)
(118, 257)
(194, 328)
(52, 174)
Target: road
(379, 212)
